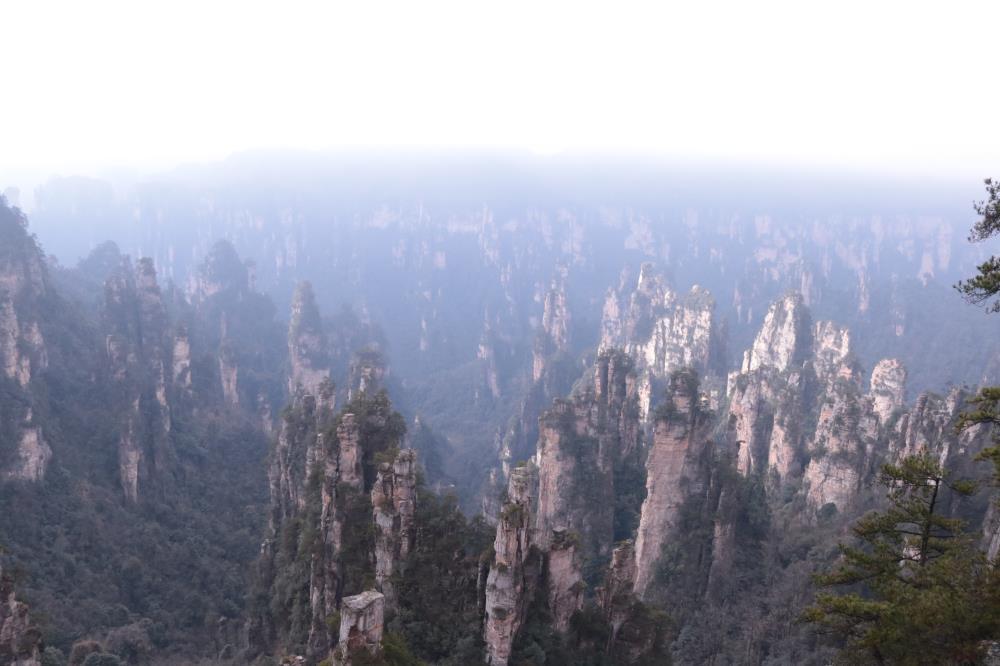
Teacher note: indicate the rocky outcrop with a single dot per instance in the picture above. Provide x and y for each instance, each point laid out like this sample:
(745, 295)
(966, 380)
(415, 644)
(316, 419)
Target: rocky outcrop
(229, 374)
(581, 441)
(368, 372)
(135, 324)
(510, 581)
(554, 335)
(679, 440)
(663, 331)
(317, 485)
(307, 348)
(616, 596)
(563, 577)
(784, 340)
(222, 272)
(182, 360)
(636, 635)
(798, 406)
(361, 626)
(23, 351)
(20, 640)
(393, 504)
(887, 388)
(32, 454)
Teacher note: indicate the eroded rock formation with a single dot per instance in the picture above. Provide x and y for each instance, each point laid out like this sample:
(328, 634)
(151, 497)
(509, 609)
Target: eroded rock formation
(138, 354)
(663, 331)
(361, 626)
(581, 441)
(510, 581)
(307, 347)
(679, 440)
(393, 504)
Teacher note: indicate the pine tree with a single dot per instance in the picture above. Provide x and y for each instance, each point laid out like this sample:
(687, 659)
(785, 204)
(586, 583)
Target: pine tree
(921, 592)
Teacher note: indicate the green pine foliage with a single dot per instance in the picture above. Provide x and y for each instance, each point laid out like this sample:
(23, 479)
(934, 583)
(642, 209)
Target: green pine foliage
(919, 590)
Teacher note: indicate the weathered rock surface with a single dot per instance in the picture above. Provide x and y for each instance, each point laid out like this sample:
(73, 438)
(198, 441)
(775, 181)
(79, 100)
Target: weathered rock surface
(785, 338)
(32, 454)
(361, 626)
(307, 347)
(135, 323)
(393, 506)
(24, 285)
(888, 388)
(662, 330)
(678, 441)
(581, 440)
(564, 580)
(616, 596)
(554, 336)
(509, 584)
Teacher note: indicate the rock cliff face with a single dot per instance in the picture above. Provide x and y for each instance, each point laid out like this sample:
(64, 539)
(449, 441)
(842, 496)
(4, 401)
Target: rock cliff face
(582, 440)
(20, 640)
(306, 470)
(24, 287)
(136, 336)
(554, 336)
(585, 442)
(182, 360)
(394, 503)
(663, 331)
(564, 580)
(510, 581)
(887, 388)
(320, 484)
(785, 339)
(679, 441)
(307, 347)
(368, 372)
(32, 455)
(615, 597)
(361, 626)
(799, 406)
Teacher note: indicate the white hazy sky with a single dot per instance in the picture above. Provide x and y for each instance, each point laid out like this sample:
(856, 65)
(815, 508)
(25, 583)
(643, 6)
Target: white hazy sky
(868, 85)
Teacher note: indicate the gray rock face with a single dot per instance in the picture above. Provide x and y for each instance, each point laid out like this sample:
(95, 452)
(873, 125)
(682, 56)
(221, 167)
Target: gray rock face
(784, 339)
(182, 361)
(887, 388)
(23, 352)
(20, 640)
(508, 586)
(671, 473)
(393, 506)
(795, 368)
(662, 330)
(32, 455)
(580, 441)
(616, 595)
(138, 354)
(564, 578)
(361, 626)
(555, 330)
(307, 348)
